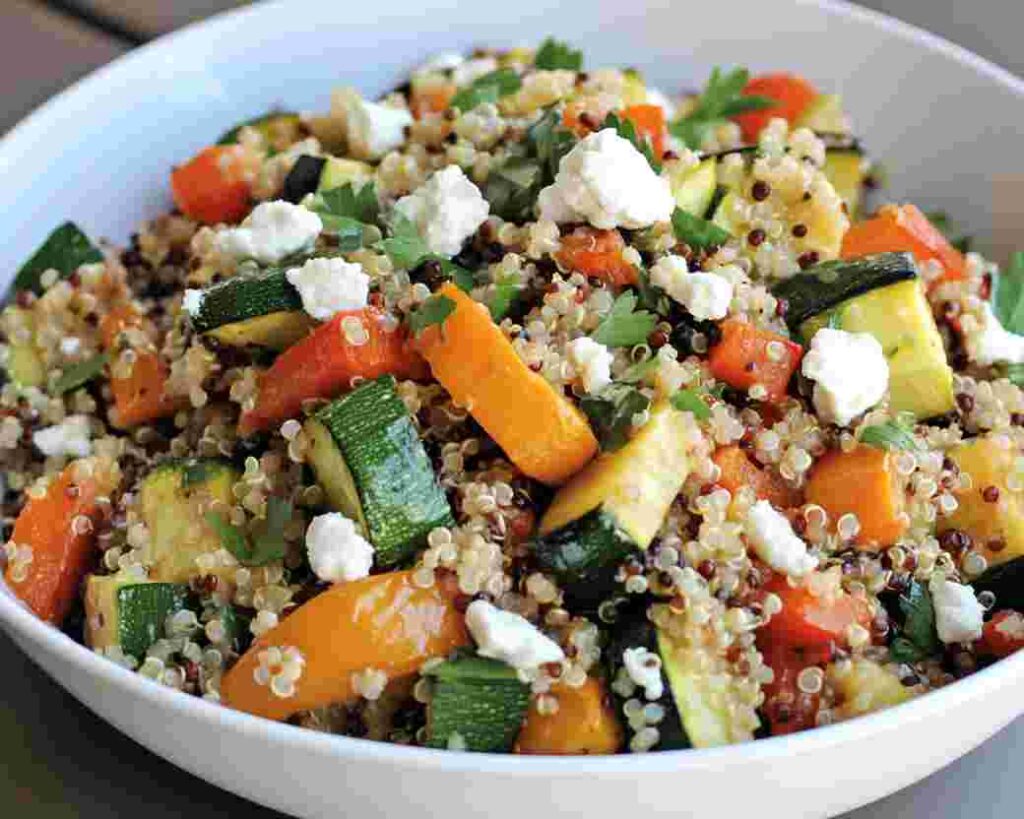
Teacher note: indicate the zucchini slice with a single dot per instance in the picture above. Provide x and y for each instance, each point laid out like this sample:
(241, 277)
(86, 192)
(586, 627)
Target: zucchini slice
(129, 613)
(338, 171)
(398, 491)
(614, 506)
(899, 316)
(846, 169)
(303, 178)
(64, 250)
(820, 288)
(24, 363)
(333, 474)
(262, 310)
(278, 128)
(694, 188)
(477, 704)
(174, 500)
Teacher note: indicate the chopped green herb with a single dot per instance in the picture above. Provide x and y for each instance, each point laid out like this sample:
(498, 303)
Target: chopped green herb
(896, 434)
(434, 310)
(611, 413)
(549, 140)
(1008, 294)
(347, 212)
(722, 98)
(463, 278)
(64, 250)
(488, 88)
(940, 219)
(231, 537)
(697, 232)
(405, 247)
(505, 293)
(834, 320)
(691, 400)
(917, 638)
(1015, 372)
(230, 137)
(627, 130)
(268, 542)
(651, 297)
(639, 371)
(624, 326)
(554, 54)
(78, 374)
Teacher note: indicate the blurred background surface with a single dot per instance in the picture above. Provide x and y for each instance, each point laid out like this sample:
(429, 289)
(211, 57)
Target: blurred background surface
(57, 760)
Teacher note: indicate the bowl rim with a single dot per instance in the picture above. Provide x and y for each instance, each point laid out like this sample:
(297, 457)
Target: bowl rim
(21, 622)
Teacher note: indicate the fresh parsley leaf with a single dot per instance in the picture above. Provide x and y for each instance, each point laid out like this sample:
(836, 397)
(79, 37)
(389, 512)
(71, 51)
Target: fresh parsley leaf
(231, 537)
(65, 250)
(347, 212)
(268, 541)
(623, 327)
(626, 129)
(918, 638)
(697, 232)
(722, 98)
(549, 140)
(611, 413)
(941, 221)
(554, 54)
(651, 297)
(488, 88)
(463, 278)
(1008, 294)
(1015, 372)
(639, 371)
(505, 293)
(691, 400)
(76, 375)
(434, 310)
(896, 434)
(834, 320)
(405, 247)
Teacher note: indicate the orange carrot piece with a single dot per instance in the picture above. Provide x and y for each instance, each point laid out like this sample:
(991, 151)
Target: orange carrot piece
(597, 253)
(385, 622)
(541, 431)
(649, 121)
(585, 723)
(791, 93)
(364, 343)
(748, 355)
(738, 470)
(57, 532)
(905, 228)
(862, 482)
(212, 186)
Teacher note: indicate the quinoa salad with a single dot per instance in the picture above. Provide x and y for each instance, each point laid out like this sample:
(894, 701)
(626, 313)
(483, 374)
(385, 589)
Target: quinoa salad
(528, 408)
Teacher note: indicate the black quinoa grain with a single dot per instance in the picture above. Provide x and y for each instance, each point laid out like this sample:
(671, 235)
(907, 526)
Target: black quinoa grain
(990, 494)
(760, 190)
(756, 237)
(808, 259)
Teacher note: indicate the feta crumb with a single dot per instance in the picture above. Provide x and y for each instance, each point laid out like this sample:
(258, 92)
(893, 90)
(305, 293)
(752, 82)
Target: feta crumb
(70, 345)
(655, 96)
(373, 129)
(328, 286)
(606, 181)
(850, 373)
(69, 437)
(958, 614)
(705, 295)
(992, 343)
(644, 669)
(337, 552)
(272, 231)
(592, 362)
(192, 302)
(775, 542)
(446, 210)
(504, 635)
(467, 71)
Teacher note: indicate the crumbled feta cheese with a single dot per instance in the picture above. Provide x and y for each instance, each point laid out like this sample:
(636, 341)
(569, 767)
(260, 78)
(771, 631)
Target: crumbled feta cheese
(469, 70)
(604, 180)
(272, 231)
(192, 302)
(70, 345)
(992, 343)
(850, 373)
(328, 286)
(373, 129)
(592, 361)
(69, 437)
(775, 542)
(705, 295)
(655, 96)
(504, 635)
(958, 614)
(446, 210)
(644, 669)
(337, 552)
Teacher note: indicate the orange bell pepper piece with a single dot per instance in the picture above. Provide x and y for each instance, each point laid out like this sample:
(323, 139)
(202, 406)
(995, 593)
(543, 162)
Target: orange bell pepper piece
(791, 93)
(748, 355)
(738, 471)
(649, 121)
(585, 723)
(597, 253)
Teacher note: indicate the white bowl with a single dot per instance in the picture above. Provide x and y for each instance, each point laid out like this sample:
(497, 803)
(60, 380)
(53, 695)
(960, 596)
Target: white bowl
(947, 124)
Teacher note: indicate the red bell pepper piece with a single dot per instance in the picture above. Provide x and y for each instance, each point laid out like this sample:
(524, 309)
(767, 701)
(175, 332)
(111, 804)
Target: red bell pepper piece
(748, 355)
(213, 187)
(649, 121)
(791, 93)
(1002, 635)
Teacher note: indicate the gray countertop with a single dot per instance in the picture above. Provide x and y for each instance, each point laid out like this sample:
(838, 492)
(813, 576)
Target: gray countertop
(58, 760)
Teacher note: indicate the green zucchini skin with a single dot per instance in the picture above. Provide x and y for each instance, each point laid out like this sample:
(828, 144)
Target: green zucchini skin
(303, 178)
(820, 288)
(64, 250)
(401, 499)
(230, 136)
(480, 700)
(584, 556)
(1006, 582)
(631, 631)
(142, 609)
(244, 297)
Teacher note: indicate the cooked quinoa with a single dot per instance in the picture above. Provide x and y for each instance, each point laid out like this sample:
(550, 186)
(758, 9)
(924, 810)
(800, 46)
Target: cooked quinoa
(526, 409)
